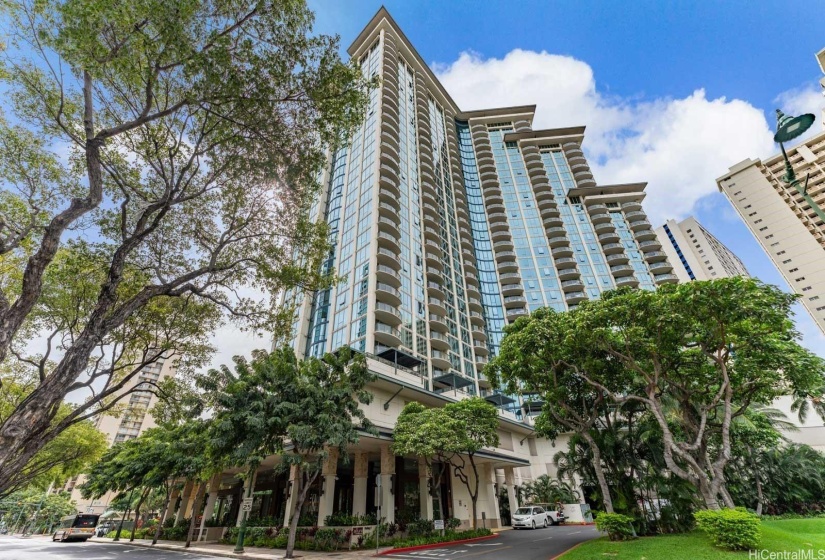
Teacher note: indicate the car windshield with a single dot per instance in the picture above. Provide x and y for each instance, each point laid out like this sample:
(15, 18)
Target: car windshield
(524, 511)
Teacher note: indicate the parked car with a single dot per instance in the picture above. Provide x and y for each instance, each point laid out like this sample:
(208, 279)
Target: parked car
(530, 517)
(103, 529)
(554, 515)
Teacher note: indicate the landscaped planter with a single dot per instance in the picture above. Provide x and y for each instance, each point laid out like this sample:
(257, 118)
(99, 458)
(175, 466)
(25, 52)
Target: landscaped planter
(357, 532)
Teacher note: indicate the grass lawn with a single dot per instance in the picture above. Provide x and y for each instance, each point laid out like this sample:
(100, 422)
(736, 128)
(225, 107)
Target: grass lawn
(786, 535)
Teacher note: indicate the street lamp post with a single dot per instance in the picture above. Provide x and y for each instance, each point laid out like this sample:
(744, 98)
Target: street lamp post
(788, 128)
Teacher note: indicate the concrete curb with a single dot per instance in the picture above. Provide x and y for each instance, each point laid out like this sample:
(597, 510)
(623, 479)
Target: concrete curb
(252, 554)
(435, 545)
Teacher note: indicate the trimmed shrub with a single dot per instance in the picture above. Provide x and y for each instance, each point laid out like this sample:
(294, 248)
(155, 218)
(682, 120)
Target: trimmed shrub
(733, 529)
(617, 526)
(420, 528)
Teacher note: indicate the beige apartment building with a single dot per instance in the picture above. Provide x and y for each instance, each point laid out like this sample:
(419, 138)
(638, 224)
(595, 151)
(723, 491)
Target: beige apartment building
(133, 420)
(695, 253)
(788, 225)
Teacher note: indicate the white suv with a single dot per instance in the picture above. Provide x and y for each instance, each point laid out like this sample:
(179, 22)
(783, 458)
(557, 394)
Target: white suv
(530, 516)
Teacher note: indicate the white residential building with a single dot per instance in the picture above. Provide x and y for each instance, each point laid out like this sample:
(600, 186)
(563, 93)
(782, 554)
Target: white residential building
(695, 253)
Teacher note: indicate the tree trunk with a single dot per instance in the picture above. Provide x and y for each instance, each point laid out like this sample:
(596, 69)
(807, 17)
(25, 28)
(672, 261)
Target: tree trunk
(711, 501)
(726, 497)
(597, 466)
(137, 511)
(474, 495)
(301, 495)
(196, 507)
(161, 520)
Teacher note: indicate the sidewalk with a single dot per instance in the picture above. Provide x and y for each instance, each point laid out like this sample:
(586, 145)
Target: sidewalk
(225, 550)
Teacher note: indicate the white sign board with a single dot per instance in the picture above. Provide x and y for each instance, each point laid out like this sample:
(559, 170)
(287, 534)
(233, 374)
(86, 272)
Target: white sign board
(246, 505)
(438, 524)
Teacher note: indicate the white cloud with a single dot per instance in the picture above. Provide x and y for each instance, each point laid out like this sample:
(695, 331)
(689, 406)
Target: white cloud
(679, 146)
(801, 100)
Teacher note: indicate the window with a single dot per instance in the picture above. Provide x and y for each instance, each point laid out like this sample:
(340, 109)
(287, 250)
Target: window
(763, 228)
(793, 270)
(813, 298)
(780, 252)
(800, 279)
(807, 288)
(767, 236)
(786, 261)
(752, 214)
(748, 206)
(759, 221)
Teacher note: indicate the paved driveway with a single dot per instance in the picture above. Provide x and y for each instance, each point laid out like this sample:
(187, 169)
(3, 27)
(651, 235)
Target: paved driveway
(523, 544)
(39, 548)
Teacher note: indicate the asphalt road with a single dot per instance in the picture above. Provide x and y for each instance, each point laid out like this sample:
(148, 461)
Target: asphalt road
(521, 544)
(38, 548)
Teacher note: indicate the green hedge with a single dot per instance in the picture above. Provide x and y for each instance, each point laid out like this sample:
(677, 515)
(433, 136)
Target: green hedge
(448, 536)
(733, 529)
(617, 526)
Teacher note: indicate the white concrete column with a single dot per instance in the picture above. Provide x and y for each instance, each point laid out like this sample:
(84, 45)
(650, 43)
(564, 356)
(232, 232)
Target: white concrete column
(329, 472)
(170, 507)
(359, 487)
(424, 496)
(487, 490)
(246, 484)
(184, 501)
(387, 475)
(292, 488)
(510, 481)
(209, 509)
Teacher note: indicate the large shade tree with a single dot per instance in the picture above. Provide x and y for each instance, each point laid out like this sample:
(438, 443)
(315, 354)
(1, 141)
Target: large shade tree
(706, 350)
(305, 410)
(449, 438)
(158, 161)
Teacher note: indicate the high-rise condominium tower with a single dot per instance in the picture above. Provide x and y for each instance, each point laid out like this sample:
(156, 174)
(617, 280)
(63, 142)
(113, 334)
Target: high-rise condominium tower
(695, 253)
(788, 225)
(448, 224)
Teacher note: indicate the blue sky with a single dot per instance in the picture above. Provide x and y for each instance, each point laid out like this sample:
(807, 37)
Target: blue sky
(671, 92)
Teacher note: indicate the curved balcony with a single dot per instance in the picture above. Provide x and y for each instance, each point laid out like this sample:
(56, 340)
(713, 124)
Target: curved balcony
(546, 204)
(389, 241)
(387, 293)
(515, 313)
(612, 248)
(385, 334)
(655, 256)
(666, 279)
(438, 323)
(534, 162)
(660, 267)
(387, 313)
(470, 265)
(568, 273)
(475, 303)
(501, 236)
(562, 251)
(621, 270)
(440, 360)
(512, 289)
(432, 259)
(609, 237)
(439, 341)
(473, 290)
(635, 216)
(627, 281)
(601, 218)
(565, 262)
(585, 182)
(387, 209)
(558, 241)
(432, 220)
(640, 224)
(514, 301)
(432, 233)
(496, 208)
(542, 187)
(468, 255)
(435, 289)
(480, 347)
(507, 265)
(510, 276)
(483, 382)
(505, 245)
(433, 247)
(388, 275)
(574, 297)
(466, 242)
(643, 234)
(389, 225)
(389, 184)
(604, 227)
(553, 231)
(389, 142)
(575, 285)
(437, 306)
(630, 206)
(550, 212)
(478, 332)
(651, 245)
(388, 257)
(617, 258)
(477, 318)
(435, 273)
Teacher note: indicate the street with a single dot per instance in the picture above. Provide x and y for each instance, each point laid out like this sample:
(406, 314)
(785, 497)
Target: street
(39, 548)
(538, 544)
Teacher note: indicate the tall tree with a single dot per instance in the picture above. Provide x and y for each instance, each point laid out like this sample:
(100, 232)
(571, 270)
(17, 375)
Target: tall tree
(450, 436)
(538, 357)
(299, 408)
(173, 148)
(708, 350)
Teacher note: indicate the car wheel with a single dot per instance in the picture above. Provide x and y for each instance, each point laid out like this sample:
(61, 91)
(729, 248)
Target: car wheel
(533, 523)
(545, 523)
(54, 537)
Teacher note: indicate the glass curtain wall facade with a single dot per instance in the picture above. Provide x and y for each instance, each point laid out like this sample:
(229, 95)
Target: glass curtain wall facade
(448, 225)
